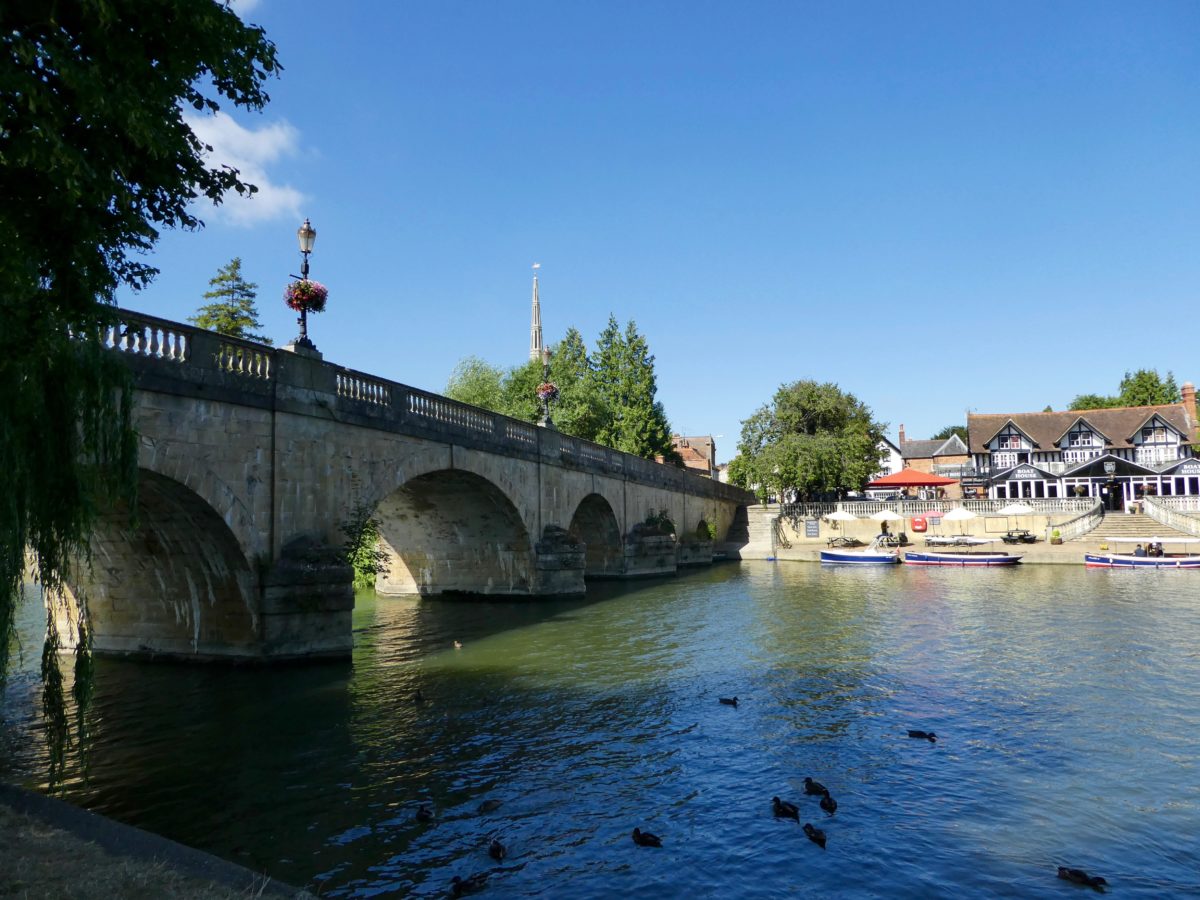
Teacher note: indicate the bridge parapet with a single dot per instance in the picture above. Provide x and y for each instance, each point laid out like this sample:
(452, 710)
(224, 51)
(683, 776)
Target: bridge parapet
(175, 358)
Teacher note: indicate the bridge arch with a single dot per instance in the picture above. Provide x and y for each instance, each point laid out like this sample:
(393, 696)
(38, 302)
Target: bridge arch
(177, 582)
(595, 524)
(452, 531)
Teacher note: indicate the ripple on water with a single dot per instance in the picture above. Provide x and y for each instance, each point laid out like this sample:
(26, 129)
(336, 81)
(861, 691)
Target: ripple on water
(1067, 706)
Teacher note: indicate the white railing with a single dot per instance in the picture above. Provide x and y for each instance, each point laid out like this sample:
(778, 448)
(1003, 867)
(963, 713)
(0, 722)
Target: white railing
(161, 341)
(357, 386)
(243, 358)
(450, 412)
(147, 336)
(865, 508)
(1171, 511)
(1081, 524)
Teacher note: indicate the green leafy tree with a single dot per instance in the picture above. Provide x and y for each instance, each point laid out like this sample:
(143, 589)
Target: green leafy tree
(476, 382)
(949, 431)
(1145, 388)
(95, 158)
(812, 439)
(625, 380)
(580, 410)
(232, 310)
(362, 547)
(1093, 401)
(1141, 388)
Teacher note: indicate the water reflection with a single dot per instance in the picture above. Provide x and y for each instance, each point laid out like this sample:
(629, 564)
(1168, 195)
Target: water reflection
(1049, 686)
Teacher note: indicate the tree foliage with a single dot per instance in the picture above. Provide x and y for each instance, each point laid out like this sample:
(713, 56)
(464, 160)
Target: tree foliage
(812, 439)
(608, 396)
(950, 431)
(95, 158)
(1141, 388)
(232, 310)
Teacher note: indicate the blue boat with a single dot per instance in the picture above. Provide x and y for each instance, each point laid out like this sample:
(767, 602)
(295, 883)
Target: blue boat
(874, 554)
(1164, 560)
(961, 559)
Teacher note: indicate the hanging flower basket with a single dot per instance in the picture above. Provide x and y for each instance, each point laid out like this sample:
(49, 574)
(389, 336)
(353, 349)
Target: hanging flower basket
(306, 296)
(547, 391)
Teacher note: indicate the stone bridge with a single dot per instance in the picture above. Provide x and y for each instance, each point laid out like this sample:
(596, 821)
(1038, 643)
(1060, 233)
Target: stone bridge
(252, 459)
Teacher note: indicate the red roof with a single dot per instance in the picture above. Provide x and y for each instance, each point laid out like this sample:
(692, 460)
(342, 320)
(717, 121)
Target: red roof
(910, 478)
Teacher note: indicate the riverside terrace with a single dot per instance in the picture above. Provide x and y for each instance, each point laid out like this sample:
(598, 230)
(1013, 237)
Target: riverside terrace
(251, 458)
(800, 531)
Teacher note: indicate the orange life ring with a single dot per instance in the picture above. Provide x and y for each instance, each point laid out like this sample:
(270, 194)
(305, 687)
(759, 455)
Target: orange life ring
(919, 524)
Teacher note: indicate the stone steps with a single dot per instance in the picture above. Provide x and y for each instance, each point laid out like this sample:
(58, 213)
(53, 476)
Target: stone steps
(1122, 525)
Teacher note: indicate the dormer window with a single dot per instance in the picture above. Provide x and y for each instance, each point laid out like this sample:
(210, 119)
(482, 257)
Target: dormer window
(1083, 437)
(1155, 433)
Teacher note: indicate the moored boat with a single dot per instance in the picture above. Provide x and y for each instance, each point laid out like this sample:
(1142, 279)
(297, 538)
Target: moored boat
(874, 554)
(962, 558)
(959, 557)
(1180, 559)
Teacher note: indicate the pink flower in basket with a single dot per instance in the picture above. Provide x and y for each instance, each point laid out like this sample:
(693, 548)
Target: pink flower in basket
(547, 390)
(305, 295)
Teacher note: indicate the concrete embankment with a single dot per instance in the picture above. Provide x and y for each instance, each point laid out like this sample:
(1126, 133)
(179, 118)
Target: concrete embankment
(53, 849)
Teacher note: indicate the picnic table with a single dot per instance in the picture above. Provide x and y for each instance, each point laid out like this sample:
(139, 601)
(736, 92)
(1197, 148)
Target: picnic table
(842, 541)
(1019, 536)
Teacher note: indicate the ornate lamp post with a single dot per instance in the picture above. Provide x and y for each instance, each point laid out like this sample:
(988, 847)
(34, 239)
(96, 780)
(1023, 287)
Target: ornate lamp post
(304, 295)
(547, 391)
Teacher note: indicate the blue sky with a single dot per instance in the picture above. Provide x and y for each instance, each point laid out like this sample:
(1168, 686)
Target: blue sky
(938, 206)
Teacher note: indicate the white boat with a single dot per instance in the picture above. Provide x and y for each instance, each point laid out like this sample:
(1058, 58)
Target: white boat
(1178, 558)
(874, 554)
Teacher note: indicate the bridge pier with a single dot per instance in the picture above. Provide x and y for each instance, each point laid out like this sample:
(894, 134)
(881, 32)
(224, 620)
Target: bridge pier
(307, 604)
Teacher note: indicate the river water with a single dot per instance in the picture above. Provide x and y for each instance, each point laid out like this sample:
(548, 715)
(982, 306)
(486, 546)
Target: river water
(1067, 703)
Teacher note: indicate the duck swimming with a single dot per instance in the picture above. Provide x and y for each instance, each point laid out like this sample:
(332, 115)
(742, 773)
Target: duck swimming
(1078, 876)
(924, 735)
(468, 885)
(497, 850)
(729, 701)
(646, 839)
(458, 645)
(829, 804)
(785, 810)
(816, 835)
(424, 813)
(488, 806)
(814, 787)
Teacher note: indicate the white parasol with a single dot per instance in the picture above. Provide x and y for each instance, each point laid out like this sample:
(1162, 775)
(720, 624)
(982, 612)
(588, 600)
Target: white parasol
(1016, 509)
(959, 514)
(886, 515)
(841, 516)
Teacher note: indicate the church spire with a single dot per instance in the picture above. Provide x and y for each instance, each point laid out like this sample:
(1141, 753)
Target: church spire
(535, 326)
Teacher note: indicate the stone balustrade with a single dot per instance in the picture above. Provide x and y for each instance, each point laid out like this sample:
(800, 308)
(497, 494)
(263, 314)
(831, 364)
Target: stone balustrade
(175, 358)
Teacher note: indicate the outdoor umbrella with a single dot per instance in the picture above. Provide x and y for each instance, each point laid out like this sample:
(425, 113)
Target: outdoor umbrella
(841, 516)
(959, 514)
(911, 478)
(1016, 509)
(886, 515)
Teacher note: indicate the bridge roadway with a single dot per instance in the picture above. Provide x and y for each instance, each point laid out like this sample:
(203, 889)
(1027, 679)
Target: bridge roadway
(252, 458)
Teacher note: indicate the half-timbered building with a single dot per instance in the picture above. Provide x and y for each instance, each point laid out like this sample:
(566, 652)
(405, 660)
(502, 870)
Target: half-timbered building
(1116, 455)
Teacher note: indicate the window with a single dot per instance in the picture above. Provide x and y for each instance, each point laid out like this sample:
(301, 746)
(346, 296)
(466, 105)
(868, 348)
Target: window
(1004, 460)
(1083, 437)
(1078, 456)
(1009, 441)
(1154, 434)
(1149, 455)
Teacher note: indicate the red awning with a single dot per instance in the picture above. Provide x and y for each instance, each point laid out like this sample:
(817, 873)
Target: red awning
(910, 478)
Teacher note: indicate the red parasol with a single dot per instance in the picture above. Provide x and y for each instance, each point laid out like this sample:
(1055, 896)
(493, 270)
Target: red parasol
(911, 478)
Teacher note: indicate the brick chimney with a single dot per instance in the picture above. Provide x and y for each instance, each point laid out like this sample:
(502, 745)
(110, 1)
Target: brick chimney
(1188, 393)
(902, 424)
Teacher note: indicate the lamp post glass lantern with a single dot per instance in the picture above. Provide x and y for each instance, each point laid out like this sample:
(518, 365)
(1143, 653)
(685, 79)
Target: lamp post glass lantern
(307, 237)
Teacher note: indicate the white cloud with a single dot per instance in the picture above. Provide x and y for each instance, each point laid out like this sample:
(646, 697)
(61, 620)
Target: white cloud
(250, 151)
